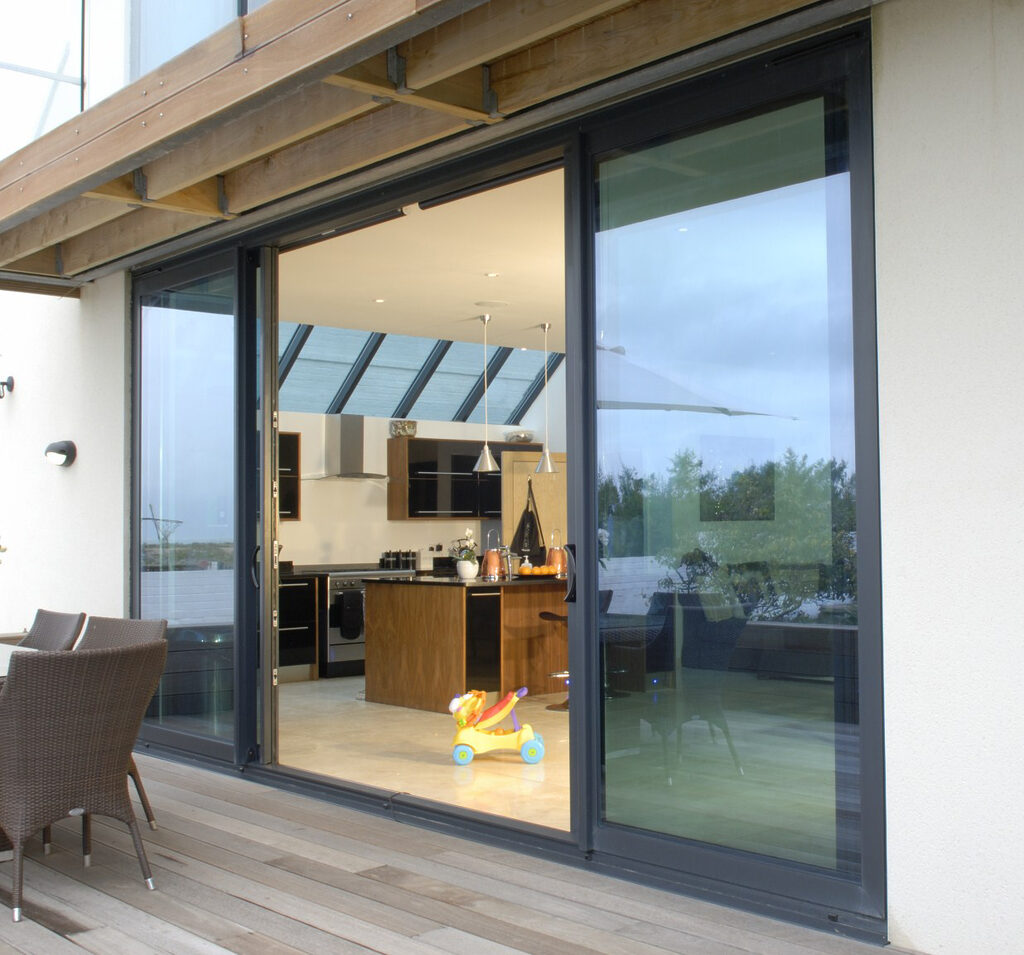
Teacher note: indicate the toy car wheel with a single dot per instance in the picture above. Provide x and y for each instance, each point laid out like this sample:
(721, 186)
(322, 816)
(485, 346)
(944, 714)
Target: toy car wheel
(532, 750)
(463, 754)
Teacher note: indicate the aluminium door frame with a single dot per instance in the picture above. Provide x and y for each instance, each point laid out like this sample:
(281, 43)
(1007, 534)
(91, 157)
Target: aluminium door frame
(835, 64)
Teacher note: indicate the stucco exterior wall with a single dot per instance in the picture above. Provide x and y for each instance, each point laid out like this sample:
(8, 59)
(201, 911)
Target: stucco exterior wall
(949, 137)
(65, 528)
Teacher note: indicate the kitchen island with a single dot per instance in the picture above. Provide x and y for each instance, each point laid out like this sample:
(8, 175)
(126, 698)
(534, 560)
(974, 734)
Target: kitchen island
(427, 638)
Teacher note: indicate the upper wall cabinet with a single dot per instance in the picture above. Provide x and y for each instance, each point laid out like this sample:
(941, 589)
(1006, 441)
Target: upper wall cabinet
(434, 478)
(289, 487)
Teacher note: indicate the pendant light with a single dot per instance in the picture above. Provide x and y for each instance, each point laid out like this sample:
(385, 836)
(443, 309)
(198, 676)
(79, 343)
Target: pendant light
(545, 465)
(485, 464)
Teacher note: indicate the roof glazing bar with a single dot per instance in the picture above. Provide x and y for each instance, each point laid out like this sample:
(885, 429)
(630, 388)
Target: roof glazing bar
(291, 353)
(533, 392)
(424, 375)
(477, 391)
(356, 372)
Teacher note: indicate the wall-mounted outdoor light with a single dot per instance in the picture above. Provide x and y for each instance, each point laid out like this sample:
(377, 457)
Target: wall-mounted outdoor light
(61, 453)
(6, 384)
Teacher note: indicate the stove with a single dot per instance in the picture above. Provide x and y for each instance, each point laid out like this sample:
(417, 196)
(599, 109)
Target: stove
(343, 644)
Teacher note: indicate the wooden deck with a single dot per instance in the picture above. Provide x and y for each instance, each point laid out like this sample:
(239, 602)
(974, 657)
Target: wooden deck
(242, 867)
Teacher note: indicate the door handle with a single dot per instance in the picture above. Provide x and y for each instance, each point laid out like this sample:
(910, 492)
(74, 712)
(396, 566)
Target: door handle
(570, 574)
(254, 569)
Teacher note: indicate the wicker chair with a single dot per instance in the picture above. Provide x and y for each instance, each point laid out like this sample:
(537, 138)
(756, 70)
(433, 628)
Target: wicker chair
(68, 722)
(105, 632)
(53, 631)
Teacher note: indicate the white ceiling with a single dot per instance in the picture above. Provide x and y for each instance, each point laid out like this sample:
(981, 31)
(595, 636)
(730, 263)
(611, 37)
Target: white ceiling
(430, 268)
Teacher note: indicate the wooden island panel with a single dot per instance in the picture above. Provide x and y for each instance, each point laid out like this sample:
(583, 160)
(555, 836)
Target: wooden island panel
(415, 645)
(533, 648)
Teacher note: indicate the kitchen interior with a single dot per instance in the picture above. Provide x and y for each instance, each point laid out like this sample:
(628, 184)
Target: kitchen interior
(394, 386)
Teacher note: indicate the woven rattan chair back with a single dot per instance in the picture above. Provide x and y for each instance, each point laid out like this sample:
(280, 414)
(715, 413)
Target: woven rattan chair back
(53, 631)
(101, 632)
(68, 722)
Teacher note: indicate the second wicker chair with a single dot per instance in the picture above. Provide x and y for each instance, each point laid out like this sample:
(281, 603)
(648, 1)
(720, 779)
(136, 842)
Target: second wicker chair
(104, 632)
(53, 631)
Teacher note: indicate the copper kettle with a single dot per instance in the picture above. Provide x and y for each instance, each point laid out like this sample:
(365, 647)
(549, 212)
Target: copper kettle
(556, 556)
(491, 565)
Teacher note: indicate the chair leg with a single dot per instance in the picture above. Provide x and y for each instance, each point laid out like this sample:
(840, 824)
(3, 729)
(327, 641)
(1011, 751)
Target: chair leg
(140, 851)
(47, 841)
(17, 871)
(86, 840)
(133, 771)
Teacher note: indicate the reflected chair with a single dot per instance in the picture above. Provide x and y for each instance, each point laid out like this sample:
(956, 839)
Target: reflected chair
(106, 632)
(68, 722)
(53, 631)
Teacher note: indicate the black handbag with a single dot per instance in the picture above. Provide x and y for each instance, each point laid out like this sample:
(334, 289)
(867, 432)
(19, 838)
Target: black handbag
(528, 540)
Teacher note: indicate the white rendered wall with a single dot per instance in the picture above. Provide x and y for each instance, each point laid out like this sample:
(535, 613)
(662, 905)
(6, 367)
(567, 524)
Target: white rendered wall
(949, 154)
(65, 528)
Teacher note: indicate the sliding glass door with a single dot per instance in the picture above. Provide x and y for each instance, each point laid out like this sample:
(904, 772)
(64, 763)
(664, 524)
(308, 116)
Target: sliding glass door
(730, 528)
(185, 497)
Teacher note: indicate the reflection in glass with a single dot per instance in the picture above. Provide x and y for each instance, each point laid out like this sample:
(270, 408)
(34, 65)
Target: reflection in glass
(187, 499)
(727, 504)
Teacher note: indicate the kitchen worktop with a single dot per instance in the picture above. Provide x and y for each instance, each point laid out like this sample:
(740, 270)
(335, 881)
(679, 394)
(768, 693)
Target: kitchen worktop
(458, 582)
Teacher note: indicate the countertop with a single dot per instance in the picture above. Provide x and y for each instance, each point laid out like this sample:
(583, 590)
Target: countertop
(457, 582)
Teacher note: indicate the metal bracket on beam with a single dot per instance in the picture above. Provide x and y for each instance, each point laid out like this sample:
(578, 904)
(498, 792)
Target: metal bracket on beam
(396, 70)
(139, 184)
(222, 196)
(490, 97)
(58, 259)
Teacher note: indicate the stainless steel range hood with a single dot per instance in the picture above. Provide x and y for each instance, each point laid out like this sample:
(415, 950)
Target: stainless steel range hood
(344, 449)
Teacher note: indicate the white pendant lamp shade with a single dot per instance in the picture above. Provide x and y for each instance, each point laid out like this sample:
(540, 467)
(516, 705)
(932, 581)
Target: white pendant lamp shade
(545, 465)
(485, 464)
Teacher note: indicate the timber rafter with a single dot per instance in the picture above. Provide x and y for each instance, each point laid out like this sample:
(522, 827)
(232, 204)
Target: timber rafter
(303, 92)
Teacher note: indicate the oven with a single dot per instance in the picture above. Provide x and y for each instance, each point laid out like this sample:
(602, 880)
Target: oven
(343, 642)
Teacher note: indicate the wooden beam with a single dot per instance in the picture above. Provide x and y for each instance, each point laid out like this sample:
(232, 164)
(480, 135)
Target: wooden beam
(346, 31)
(369, 139)
(201, 199)
(129, 233)
(493, 30)
(273, 126)
(43, 262)
(639, 34)
(55, 226)
(461, 95)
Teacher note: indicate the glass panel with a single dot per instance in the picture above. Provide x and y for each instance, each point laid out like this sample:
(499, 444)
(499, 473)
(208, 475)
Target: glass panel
(449, 385)
(325, 360)
(727, 505)
(40, 69)
(391, 372)
(285, 332)
(509, 385)
(163, 30)
(187, 499)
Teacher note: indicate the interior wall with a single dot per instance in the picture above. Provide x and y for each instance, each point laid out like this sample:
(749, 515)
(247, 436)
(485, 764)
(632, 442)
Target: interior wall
(65, 528)
(949, 134)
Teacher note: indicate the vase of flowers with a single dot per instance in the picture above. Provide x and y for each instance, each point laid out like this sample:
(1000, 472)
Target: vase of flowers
(464, 551)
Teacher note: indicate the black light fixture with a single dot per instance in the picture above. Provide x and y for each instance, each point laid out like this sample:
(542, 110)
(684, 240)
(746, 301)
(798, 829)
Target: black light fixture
(6, 384)
(485, 463)
(61, 453)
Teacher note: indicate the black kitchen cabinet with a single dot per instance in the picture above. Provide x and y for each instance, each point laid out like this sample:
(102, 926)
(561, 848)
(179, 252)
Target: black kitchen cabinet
(297, 607)
(434, 478)
(289, 485)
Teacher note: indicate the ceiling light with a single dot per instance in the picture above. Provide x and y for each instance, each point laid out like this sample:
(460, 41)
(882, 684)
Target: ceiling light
(379, 301)
(485, 463)
(491, 275)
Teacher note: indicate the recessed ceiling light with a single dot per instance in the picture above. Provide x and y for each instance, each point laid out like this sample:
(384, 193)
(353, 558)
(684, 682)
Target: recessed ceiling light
(378, 300)
(491, 275)
(490, 304)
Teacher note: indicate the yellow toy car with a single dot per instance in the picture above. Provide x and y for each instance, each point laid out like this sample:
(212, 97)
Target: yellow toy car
(478, 731)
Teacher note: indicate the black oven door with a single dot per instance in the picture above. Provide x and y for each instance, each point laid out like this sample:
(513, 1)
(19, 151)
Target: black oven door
(344, 652)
